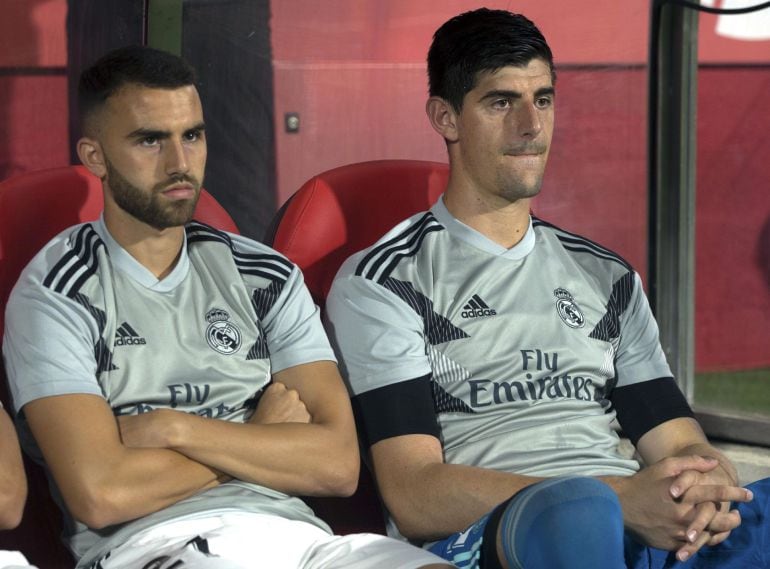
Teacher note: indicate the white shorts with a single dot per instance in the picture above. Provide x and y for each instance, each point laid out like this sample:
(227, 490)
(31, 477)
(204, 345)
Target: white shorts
(237, 540)
(13, 559)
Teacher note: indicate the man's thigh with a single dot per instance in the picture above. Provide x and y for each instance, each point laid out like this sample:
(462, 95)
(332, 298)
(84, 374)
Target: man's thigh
(231, 540)
(369, 551)
(245, 541)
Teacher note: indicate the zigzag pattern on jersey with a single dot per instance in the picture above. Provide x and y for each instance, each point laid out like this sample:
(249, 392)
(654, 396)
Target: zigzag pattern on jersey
(579, 244)
(102, 353)
(446, 371)
(445, 403)
(69, 275)
(263, 299)
(382, 259)
(260, 350)
(438, 329)
(608, 328)
(272, 267)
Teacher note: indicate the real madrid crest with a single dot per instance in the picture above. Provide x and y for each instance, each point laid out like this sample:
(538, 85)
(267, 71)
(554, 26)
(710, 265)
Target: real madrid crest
(221, 334)
(568, 310)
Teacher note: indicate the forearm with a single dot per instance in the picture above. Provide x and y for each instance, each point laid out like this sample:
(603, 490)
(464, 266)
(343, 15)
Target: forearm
(13, 494)
(440, 499)
(13, 483)
(132, 483)
(295, 458)
(102, 479)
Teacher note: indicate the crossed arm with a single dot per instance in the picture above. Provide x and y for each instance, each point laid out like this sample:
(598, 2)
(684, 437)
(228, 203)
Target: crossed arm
(301, 440)
(13, 482)
(662, 504)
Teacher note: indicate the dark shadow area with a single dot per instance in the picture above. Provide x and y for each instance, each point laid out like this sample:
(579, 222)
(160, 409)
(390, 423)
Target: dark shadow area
(228, 43)
(763, 252)
(95, 27)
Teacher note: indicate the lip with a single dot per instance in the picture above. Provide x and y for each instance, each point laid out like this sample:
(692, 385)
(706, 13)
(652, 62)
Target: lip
(526, 156)
(179, 192)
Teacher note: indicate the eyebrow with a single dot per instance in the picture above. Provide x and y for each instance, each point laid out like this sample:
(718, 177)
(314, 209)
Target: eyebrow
(507, 94)
(162, 134)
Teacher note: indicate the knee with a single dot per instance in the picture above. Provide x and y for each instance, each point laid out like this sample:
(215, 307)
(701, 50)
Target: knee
(540, 520)
(588, 489)
(587, 500)
(578, 506)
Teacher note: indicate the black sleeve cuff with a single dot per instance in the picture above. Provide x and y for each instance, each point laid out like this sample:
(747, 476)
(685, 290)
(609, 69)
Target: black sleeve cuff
(643, 406)
(403, 408)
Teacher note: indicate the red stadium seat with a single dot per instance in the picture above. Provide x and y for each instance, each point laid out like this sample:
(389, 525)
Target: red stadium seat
(332, 216)
(344, 210)
(34, 207)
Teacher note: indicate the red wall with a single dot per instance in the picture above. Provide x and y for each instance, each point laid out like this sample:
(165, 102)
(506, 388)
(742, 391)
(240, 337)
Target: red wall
(732, 300)
(355, 73)
(33, 86)
(354, 70)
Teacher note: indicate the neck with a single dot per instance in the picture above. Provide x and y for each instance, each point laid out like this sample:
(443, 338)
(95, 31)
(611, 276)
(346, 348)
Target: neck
(499, 220)
(156, 249)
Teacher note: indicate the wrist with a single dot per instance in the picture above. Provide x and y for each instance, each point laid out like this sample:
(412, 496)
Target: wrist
(175, 429)
(622, 486)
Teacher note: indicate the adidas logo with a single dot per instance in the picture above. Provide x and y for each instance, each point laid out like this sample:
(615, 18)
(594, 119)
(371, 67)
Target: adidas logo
(127, 336)
(476, 308)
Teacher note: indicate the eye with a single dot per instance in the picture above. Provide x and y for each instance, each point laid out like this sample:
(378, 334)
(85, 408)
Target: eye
(501, 104)
(193, 135)
(543, 102)
(149, 141)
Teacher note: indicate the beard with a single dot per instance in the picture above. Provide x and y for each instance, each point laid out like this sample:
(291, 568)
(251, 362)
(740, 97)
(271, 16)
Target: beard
(515, 190)
(525, 185)
(149, 207)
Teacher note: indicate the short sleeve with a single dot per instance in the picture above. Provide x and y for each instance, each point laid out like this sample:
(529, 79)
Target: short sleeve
(48, 345)
(378, 337)
(639, 356)
(293, 327)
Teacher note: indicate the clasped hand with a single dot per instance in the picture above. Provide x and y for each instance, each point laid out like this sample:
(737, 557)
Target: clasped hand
(681, 504)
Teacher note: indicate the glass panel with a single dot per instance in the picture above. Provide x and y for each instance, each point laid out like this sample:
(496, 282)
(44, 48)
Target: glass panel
(732, 314)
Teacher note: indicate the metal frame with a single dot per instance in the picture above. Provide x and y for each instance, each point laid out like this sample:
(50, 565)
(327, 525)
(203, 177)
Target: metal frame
(672, 147)
(671, 182)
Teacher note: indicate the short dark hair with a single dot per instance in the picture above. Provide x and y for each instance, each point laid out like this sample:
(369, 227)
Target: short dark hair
(477, 41)
(137, 65)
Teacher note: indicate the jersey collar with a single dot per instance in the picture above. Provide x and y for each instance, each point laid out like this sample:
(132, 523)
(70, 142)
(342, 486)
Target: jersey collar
(478, 240)
(123, 260)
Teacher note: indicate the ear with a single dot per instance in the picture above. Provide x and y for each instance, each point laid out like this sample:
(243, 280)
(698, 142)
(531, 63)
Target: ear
(443, 118)
(92, 156)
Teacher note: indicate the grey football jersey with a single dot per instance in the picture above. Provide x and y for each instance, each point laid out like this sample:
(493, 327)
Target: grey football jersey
(524, 345)
(86, 317)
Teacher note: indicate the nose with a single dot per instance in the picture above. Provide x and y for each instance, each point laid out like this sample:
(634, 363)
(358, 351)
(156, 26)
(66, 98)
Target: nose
(528, 121)
(176, 160)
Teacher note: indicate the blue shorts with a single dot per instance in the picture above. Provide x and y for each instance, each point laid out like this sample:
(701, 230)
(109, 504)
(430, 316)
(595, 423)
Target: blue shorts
(476, 547)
